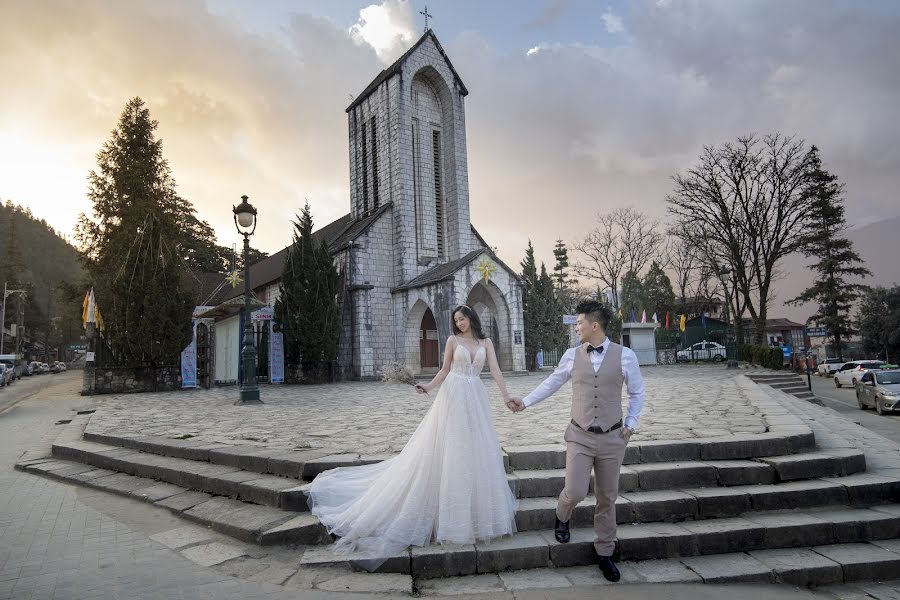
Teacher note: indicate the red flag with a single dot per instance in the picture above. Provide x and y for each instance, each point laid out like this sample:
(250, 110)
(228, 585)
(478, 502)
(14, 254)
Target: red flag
(667, 320)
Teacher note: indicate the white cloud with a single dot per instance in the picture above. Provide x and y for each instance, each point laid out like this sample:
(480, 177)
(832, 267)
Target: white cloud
(613, 22)
(387, 27)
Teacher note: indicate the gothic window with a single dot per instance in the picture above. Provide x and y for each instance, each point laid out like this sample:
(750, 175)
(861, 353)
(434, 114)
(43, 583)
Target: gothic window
(438, 195)
(416, 170)
(365, 171)
(376, 201)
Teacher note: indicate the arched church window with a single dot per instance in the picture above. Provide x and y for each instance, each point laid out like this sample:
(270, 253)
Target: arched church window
(376, 201)
(365, 171)
(438, 195)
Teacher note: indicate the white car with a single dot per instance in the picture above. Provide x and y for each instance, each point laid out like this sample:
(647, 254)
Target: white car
(6, 374)
(829, 366)
(851, 372)
(703, 351)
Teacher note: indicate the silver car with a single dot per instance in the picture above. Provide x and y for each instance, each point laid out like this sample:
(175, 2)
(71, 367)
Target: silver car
(6, 374)
(879, 390)
(703, 351)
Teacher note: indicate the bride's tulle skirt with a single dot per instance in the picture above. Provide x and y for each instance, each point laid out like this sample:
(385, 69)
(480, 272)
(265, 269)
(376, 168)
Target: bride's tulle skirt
(447, 486)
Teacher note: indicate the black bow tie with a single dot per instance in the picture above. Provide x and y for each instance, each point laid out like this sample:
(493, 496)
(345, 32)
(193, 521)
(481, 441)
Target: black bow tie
(598, 349)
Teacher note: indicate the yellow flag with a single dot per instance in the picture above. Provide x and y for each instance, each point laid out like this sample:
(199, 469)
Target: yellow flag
(683, 322)
(84, 307)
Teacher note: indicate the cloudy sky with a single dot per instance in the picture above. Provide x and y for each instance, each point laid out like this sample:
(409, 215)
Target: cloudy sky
(577, 104)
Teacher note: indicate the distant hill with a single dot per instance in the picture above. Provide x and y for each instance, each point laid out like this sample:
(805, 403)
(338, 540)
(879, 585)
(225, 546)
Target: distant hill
(33, 254)
(879, 246)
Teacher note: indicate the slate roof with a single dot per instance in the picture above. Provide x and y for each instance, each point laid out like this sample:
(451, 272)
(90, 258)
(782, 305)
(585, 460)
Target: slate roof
(398, 65)
(445, 271)
(334, 235)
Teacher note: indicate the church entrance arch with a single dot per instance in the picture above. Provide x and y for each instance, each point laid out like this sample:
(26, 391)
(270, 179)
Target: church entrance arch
(428, 341)
(487, 301)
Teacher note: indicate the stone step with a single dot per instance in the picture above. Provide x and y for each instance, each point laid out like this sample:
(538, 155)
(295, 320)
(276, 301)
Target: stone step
(222, 480)
(247, 522)
(306, 464)
(833, 533)
(660, 476)
(733, 447)
(699, 504)
(787, 385)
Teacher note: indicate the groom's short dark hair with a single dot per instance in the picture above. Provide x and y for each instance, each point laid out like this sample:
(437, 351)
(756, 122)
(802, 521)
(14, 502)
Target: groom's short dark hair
(594, 311)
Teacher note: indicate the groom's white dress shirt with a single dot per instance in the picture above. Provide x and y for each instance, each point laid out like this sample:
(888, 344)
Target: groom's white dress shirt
(630, 369)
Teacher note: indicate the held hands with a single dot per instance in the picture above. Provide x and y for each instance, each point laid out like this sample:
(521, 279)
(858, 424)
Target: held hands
(626, 432)
(515, 404)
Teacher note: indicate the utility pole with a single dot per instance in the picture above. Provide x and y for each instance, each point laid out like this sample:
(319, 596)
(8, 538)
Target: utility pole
(6, 293)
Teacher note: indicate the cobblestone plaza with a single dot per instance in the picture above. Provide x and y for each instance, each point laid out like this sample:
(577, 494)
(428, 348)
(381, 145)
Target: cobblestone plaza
(682, 402)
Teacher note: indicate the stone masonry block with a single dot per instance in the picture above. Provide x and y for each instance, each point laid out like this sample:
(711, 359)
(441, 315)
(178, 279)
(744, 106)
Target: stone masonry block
(720, 502)
(443, 561)
(666, 451)
(800, 566)
(743, 472)
(803, 466)
(730, 568)
(721, 536)
(655, 540)
(546, 456)
(663, 505)
(522, 551)
(793, 529)
(665, 476)
(862, 561)
(796, 494)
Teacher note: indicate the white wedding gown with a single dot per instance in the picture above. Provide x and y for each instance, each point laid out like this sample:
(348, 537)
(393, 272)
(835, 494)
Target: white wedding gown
(446, 486)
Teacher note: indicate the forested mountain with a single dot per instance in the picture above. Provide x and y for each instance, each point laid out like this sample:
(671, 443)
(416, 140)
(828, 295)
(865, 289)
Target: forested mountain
(39, 260)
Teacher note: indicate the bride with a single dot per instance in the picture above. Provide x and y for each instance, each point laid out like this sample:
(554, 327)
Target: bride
(447, 485)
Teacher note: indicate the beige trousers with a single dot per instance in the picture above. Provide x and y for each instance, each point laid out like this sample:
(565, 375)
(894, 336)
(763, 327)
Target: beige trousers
(604, 453)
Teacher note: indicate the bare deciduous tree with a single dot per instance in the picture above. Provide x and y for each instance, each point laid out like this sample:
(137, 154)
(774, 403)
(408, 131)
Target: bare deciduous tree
(623, 240)
(748, 200)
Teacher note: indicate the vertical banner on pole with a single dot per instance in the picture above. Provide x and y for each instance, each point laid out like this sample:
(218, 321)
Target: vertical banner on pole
(276, 355)
(189, 361)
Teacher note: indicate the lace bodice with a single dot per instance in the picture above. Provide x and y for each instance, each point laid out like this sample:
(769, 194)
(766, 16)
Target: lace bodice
(464, 363)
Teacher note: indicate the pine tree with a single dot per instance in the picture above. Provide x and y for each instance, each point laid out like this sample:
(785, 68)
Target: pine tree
(532, 311)
(553, 334)
(658, 294)
(562, 264)
(837, 261)
(132, 251)
(306, 309)
(632, 296)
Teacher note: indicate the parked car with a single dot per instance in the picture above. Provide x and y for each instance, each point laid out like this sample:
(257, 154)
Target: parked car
(45, 368)
(54, 368)
(6, 374)
(35, 367)
(62, 366)
(14, 364)
(829, 366)
(879, 390)
(703, 351)
(852, 371)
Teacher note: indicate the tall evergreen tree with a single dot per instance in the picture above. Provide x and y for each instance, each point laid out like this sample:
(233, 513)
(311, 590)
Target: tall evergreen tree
(632, 297)
(306, 309)
(553, 334)
(532, 311)
(133, 247)
(878, 322)
(659, 297)
(836, 260)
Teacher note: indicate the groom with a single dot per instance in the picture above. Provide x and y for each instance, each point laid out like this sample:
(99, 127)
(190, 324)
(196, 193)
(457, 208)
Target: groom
(597, 435)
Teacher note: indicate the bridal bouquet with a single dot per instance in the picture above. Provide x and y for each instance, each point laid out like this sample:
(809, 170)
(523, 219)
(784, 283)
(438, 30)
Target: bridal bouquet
(394, 372)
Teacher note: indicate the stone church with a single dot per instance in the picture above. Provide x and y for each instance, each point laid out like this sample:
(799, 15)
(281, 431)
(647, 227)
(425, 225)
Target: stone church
(407, 251)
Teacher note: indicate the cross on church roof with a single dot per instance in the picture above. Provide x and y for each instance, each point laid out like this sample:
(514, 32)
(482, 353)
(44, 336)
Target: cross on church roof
(426, 15)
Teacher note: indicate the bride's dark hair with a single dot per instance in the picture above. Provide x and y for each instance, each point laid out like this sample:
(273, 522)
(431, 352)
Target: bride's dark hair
(474, 321)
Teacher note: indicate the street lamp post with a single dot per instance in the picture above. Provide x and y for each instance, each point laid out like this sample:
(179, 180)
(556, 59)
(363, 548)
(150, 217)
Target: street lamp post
(724, 273)
(245, 221)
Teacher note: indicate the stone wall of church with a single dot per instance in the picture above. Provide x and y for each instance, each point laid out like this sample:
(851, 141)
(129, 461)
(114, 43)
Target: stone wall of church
(372, 341)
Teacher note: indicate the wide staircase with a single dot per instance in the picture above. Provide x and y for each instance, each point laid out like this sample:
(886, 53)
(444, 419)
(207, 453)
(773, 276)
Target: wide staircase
(770, 507)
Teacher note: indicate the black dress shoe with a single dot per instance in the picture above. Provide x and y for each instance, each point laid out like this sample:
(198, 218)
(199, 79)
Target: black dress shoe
(562, 531)
(608, 568)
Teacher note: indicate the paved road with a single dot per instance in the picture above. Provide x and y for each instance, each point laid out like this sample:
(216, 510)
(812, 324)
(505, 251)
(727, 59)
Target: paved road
(67, 542)
(843, 400)
(26, 387)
